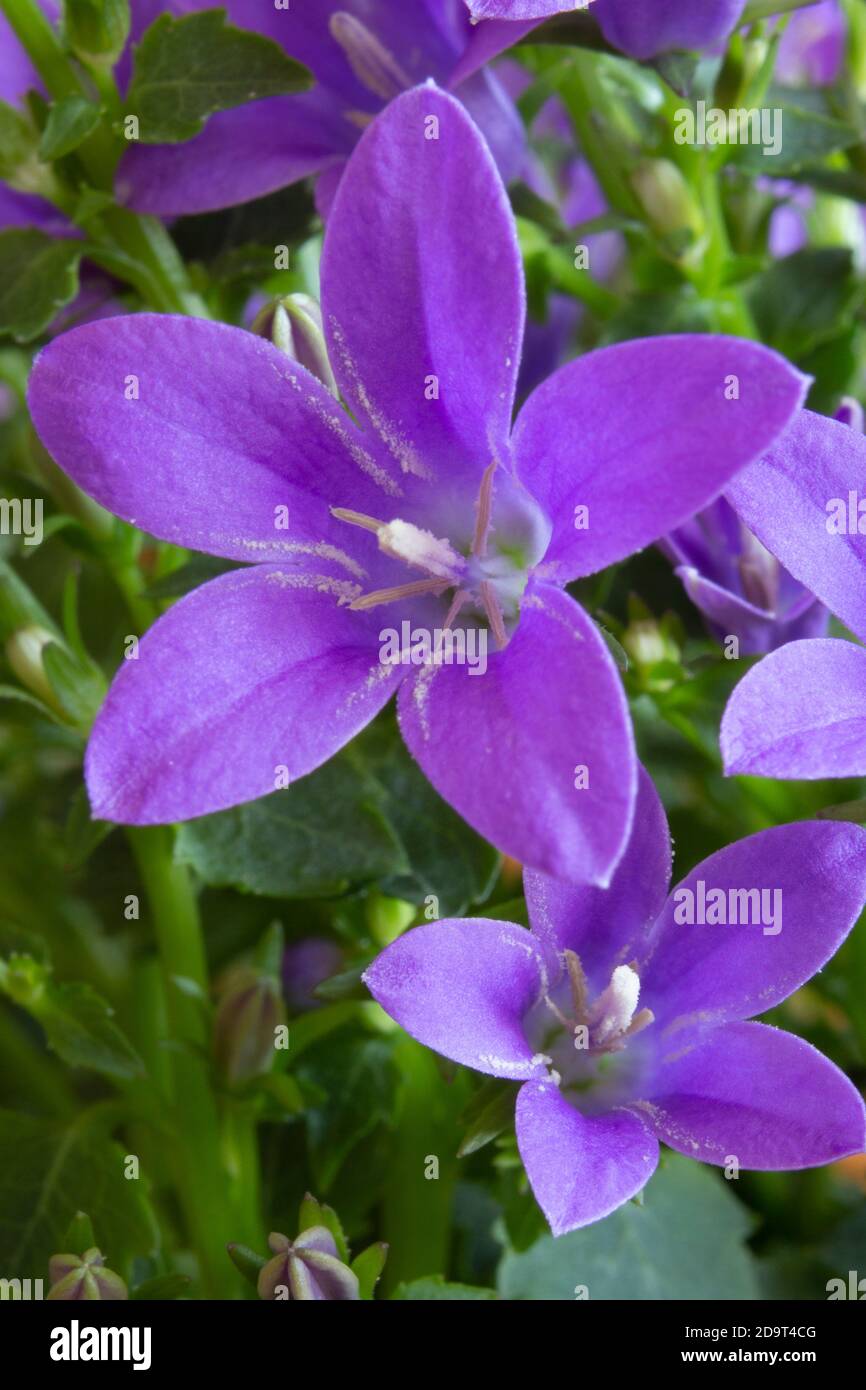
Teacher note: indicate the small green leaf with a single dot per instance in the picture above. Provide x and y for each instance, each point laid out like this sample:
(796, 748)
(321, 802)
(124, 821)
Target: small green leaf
(79, 1237)
(805, 137)
(246, 1261)
(162, 1288)
(97, 30)
(80, 689)
(186, 69)
(313, 1213)
(70, 121)
(368, 1268)
(490, 1112)
(38, 277)
(434, 1289)
(803, 299)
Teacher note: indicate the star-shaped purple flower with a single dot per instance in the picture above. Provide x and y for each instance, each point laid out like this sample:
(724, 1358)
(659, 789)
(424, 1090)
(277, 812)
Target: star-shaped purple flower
(625, 1011)
(801, 712)
(362, 53)
(641, 28)
(421, 512)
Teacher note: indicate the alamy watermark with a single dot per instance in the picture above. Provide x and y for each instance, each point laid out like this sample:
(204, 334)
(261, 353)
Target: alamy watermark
(729, 907)
(22, 517)
(434, 647)
(710, 125)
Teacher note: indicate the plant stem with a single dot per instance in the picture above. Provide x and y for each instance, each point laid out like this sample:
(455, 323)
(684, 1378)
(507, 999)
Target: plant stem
(204, 1184)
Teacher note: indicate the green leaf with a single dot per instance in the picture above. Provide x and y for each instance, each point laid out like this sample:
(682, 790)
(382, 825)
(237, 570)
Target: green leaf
(489, 1113)
(186, 69)
(78, 1023)
(368, 1267)
(323, 836)
(47, 1174)
(70, 121)
(196, 571)
(359, 1081)
(435, 1289)
(447, 860)
(246, 1261)
(80, 1236)
(806, 137)
(162, 1288)
(97, 30)
(314, 1213)
(18, 145)
(38, 277)
(687, 1241)
(803, 299)
(80, 689)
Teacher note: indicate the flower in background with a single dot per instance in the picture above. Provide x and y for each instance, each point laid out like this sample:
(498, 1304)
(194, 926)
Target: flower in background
(431, 510)
(625, 1014)
(640, 28)
(306, 963)
(307, 1269)
(801, 712)
(362, 53)
(84, 1277)
(812, 47)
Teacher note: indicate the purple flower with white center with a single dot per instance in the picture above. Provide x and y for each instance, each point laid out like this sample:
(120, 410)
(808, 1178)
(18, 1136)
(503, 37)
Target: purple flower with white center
(801, 712)
(362, 53)
(628, 1023)
(640, 28)
(430, 510)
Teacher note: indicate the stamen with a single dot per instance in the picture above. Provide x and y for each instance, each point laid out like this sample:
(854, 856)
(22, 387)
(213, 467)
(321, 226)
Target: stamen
(369, 523)
(494, 613)
(579, 986)
(484, 507)
(404, 541)
(373, 65)
(380, 596)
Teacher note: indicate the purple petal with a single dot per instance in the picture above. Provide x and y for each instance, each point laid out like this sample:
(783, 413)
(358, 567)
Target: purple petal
(607, 927)
(757, 629)
(518, 9)
(422, 283)
(225, 435)
(257, 671)
(812, 47)
(642, 435)
(316, 1238)
(486, 42)
(241, 154)
(17, 73)
(808, 885)
(756, 1094)
(801, 712)
(644, 29)
(497, 118)
(787, 500)
(580, 1167)
(334, 1280)
(463, 988)
(505, 747)
(28, 210)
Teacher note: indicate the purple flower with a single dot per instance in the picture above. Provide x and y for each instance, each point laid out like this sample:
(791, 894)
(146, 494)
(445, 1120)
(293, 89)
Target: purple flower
(362, 53)
(423, 508)
(812, 47)
(741, 588)
(641, 28)
(801, 712)
(624, 1011)
(307, 1269)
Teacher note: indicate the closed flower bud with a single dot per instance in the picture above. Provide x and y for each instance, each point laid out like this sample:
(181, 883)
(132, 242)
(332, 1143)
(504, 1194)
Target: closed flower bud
(667, 201)
(97, 30)
(84, 1277)
(294, 324)
(249, 1012)
(307, 1269)
(24, 653)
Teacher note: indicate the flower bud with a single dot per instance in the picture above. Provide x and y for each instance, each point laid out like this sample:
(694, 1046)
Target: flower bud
(249, 1012)
(307, 1269)
(24, 653)
(668, 202)
(97, 30)
(294, 324)
(84, 1277)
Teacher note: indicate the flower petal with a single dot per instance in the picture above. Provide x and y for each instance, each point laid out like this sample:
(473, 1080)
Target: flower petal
(642, 435)
(813, 877)
(785, 499)
(801, 712)
(607, 927)
(508, 748)
(757, 1094)
(487, 41)
(422, 287)
(580, 1167)
(463, 988)
(258, 670)
(241, 154)
(643, 30)
(223, 434)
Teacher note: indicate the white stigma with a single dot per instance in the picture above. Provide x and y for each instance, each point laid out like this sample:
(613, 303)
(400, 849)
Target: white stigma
(612, 1012)
(404, 541)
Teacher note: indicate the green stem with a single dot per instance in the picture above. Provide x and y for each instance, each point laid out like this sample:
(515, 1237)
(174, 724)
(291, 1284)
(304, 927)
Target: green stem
(35, 1074)
(204, 1185)
(418, 1208)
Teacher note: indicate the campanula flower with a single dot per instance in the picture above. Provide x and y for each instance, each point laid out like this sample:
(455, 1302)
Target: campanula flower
(625, 1012)
(801, 712)
(421, 508)
(307, 1269)
(640, 28)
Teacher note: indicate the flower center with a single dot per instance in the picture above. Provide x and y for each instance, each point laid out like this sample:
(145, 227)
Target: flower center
(486, 583)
